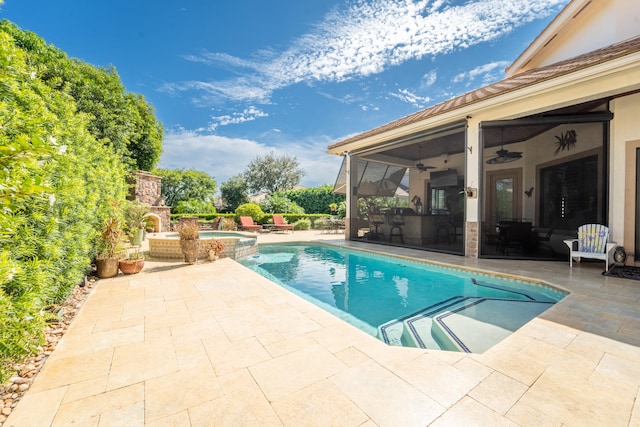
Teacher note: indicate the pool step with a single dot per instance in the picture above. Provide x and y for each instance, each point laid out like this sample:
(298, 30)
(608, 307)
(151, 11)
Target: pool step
(466, 324)
(394, 332)
(493, 320)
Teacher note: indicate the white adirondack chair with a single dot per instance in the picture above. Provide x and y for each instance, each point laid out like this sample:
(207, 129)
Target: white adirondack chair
(592, 242)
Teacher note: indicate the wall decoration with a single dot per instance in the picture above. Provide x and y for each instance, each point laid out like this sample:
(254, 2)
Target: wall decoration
(529, 192)
(565, 141)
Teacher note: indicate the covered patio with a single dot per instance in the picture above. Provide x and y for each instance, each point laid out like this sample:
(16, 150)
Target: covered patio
(509, 170)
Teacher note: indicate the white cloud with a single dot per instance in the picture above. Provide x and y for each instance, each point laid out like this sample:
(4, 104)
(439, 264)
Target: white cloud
(411, 98)
(429, 79)
(365, 38)
(222, 157)
(249, 114)
(488, 72)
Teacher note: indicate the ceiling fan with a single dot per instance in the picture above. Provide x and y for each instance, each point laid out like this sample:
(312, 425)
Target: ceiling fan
(422, 167)
(505, 156)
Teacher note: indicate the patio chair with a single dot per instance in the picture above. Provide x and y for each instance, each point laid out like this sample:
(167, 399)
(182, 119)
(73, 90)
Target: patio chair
(246, 223)
(326, 224)
(279, 224)
(592, 242)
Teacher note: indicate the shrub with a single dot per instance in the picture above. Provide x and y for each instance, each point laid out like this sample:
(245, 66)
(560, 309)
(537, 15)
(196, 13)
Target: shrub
(252, 210)
(302, 224)
(194, 206)
(280, 204)
(228, 224)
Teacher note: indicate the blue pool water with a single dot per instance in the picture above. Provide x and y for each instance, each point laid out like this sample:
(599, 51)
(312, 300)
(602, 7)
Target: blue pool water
(405, 302)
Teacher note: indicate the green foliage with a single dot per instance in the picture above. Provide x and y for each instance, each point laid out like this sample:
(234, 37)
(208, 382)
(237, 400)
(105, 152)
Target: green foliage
(314, 200)
(341, 210)
(234, 193)
(302, 224)
(54, 183)
(279, 204)
(145, 141)
(193, 206)
(181, 185)
(109, 241)
(134, 215)
(124, 121)
(252, 210)
(273, 173)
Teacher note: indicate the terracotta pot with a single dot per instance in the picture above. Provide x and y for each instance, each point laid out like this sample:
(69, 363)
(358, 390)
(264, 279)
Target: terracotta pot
(107, 267)
(190, 250)
(131, 266)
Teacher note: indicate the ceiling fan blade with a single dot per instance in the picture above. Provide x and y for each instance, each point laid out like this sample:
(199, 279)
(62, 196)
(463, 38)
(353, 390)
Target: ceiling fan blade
(421, 166)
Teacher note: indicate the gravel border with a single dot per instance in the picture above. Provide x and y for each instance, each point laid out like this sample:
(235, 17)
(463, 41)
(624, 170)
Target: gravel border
(25, 371)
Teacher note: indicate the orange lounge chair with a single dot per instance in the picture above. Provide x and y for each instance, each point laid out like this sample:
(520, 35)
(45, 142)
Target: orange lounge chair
(246, 223)
(280, 225)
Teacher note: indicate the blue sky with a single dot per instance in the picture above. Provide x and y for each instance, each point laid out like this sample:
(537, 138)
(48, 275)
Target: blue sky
(232, 80)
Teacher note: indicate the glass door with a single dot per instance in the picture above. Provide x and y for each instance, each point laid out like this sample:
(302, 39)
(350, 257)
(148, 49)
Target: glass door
(505, 196)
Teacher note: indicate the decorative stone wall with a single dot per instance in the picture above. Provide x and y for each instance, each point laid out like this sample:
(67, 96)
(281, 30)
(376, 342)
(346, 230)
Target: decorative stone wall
(471, 241)
(146, 188)
(163, 214)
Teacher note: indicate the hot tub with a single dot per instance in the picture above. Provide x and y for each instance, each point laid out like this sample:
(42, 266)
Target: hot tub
(237, 244)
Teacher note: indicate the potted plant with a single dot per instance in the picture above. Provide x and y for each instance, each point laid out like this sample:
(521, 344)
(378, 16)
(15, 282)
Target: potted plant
(108, 247)
(135, 214)
(133, 263)
(214, 249)
(189, 233)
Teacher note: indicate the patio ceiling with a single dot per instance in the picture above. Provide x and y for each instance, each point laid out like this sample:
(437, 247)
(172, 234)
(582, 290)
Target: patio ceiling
(452, 140)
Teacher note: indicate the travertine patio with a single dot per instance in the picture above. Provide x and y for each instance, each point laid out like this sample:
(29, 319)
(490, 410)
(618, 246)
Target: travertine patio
(215, 344)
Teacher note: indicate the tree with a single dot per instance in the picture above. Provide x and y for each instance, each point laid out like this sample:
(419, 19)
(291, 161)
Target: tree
(145, 141)
(273, 173)
(118, 119)
(234, 193)
(182, 185)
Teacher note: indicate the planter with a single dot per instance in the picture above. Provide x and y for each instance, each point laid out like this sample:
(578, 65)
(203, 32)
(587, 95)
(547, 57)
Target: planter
(212, 255)
(190, 250)
(137, 238)
(107, 267)
(131, 266)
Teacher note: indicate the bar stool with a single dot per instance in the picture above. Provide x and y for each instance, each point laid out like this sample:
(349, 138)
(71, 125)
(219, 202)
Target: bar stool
(396, 222)
(377, 221)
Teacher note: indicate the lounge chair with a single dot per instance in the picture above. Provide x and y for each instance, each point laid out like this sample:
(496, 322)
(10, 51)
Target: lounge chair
(592, 242)
(246, 223)
(279, 224)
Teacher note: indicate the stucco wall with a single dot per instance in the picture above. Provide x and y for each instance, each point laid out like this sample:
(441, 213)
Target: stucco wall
(625, 138)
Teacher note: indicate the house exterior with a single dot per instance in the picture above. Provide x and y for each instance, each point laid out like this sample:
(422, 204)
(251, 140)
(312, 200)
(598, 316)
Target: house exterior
(513, 168)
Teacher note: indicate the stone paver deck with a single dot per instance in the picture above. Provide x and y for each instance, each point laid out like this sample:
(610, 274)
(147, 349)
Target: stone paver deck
(215, 344)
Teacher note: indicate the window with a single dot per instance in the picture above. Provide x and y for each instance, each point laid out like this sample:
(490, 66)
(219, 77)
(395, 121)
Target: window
(439, 200)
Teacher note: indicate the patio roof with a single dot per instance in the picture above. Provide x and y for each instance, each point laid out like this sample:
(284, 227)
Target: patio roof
(507, 85)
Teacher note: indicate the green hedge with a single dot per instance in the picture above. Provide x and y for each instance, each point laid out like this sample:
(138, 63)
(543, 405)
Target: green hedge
(56, 185)
(266, 218)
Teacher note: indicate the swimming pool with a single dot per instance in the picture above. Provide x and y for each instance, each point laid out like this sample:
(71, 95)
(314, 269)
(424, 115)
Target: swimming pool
(405, 302)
